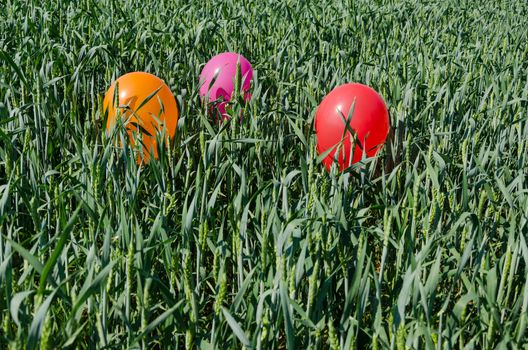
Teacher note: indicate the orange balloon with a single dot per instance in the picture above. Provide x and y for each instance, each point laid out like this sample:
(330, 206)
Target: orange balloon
(145, 118)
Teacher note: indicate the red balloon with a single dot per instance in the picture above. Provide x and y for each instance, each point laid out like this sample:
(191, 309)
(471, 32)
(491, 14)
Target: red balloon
(369, 120)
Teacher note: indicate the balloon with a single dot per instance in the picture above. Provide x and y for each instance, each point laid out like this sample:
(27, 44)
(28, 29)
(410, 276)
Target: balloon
(222, 70)
(159, 111)
(369, 120)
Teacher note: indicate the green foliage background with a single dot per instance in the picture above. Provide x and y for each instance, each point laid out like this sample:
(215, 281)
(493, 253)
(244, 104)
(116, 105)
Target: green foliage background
(238, 236)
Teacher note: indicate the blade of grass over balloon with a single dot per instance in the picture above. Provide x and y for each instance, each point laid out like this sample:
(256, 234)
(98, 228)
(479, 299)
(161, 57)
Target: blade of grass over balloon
(346, 120)
(324, 154)
(147, 99)
(141, 129)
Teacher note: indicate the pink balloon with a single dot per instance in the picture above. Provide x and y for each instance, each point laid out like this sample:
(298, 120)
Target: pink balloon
(222, 69)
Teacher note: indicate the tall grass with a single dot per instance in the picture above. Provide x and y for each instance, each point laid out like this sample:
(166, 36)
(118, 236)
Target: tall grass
(237, 235)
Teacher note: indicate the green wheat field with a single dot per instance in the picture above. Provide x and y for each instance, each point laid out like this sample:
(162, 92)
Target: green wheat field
(237, 236)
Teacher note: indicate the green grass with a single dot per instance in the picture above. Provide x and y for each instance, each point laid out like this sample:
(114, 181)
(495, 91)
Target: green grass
(238, 236)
